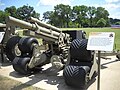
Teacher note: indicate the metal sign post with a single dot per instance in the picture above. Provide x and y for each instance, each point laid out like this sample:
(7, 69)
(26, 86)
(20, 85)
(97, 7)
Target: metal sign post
(100, 41)
(99, 67)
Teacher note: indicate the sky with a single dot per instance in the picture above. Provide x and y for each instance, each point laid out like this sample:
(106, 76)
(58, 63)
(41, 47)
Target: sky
(41, 6)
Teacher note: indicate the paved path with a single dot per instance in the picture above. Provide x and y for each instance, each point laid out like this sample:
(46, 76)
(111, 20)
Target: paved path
(49, 80)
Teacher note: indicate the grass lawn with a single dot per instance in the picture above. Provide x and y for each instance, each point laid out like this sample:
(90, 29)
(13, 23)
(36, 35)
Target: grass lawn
(88, 30)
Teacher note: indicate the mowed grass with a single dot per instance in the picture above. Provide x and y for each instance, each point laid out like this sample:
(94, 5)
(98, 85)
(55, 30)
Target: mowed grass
(88, 30)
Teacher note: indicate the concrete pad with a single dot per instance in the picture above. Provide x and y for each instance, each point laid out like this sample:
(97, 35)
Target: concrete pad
(51, 79)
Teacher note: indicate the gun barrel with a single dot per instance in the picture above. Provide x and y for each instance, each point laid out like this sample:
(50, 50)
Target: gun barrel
(48, 26)
(28, 25)
(45, 33)
(17, 22)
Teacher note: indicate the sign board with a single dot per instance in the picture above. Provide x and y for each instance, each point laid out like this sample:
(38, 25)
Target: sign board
(101, 41)
(1, 36)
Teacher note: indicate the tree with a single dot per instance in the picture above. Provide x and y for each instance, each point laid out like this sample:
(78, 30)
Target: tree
(3, 15)
(91, 15)
(102, 13)
(84, 10)
(51, 18)
(47, 16)
(101, 22)
(117, 23)
(79, 15)
(63, 12)
(11, 10)
(26, 11)
(76, 15)
(114, 21)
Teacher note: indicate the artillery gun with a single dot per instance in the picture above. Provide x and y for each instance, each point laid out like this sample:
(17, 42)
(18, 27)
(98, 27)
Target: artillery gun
(63, 49)
(55, 43)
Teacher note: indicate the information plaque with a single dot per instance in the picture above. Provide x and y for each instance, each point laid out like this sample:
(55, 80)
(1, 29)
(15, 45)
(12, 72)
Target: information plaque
(101, 41)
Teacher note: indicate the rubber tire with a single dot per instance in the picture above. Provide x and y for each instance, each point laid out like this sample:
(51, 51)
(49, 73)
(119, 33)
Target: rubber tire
(10, 46)
(78, 50)
(26, 44)
(75, 76)
(20, 65)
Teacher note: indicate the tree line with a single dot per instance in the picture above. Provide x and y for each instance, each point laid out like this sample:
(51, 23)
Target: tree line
(64, 16)
(78, 16)
(115, 21)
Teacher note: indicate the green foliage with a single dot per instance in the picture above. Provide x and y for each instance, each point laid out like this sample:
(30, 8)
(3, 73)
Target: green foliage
(79, 13)
(101, 22)
(26, 11)
(102, 13)
(11, 10)
(114, 21)
(49, 16)
(91, 15)
(62, 12)
(73, 25)
(3, 15)
(117, 23)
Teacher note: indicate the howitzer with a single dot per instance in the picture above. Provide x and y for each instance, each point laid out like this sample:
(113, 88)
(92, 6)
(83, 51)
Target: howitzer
(57, 42)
